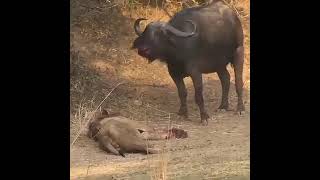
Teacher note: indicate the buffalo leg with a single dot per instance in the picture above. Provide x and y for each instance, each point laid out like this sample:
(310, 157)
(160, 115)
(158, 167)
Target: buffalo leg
(198, 87)
(238, 70)
(224, 77)
(182, 91)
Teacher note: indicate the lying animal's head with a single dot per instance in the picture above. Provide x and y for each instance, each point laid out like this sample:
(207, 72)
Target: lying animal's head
(94, 128)
(156, 38)
(94, 125)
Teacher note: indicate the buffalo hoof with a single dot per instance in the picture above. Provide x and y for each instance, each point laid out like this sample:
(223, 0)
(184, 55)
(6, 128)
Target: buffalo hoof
(240, 113)
(240, 109)
(204, 122)
(183, 112)
(204, 119)
(223, 110)
(223, 107)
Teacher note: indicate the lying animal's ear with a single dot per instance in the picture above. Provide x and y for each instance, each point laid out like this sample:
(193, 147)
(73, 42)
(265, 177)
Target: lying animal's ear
(105, 113)
(89, 134)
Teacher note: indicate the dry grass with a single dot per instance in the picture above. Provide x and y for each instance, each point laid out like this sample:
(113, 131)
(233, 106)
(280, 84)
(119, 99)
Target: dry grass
(78, 120)
(89, 116)
(83, 82)
(159, 169)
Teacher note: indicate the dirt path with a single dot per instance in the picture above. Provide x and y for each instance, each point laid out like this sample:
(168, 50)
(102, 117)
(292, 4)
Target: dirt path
(220, 150)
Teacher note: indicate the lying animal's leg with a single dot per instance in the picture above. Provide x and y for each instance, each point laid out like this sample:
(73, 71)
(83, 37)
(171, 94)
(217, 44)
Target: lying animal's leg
(238, 70)
(224, 77)
(154, 135)
(198, 87)
(150, 134)
(128, 138)
(153, 151)
(164, 133)
(105, 144)
(182, 91)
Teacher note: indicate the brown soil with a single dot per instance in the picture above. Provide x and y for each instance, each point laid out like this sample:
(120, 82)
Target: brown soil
(101, 37)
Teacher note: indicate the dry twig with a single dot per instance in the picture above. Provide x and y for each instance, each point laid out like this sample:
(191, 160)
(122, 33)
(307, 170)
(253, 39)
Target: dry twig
(81, 129)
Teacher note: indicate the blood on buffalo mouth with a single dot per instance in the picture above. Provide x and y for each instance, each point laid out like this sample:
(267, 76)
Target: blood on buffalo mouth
(146, 52)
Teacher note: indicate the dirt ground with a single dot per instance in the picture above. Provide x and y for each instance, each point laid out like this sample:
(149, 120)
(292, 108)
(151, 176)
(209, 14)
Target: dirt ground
(101, 37)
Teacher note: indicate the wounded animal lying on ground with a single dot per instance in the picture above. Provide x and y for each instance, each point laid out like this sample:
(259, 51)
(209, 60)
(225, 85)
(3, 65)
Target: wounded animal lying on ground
(119, 135)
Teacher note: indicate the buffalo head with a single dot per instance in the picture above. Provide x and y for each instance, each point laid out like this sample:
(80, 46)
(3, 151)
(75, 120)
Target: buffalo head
(157, 36)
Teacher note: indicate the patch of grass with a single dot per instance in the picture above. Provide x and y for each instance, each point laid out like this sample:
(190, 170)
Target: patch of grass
(85, 83)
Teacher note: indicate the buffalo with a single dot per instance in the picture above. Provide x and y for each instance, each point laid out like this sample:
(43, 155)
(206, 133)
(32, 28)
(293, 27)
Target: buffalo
(196, 41)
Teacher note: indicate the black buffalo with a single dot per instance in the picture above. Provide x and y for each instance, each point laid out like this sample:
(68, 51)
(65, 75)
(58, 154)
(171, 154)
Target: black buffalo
(197, 40)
